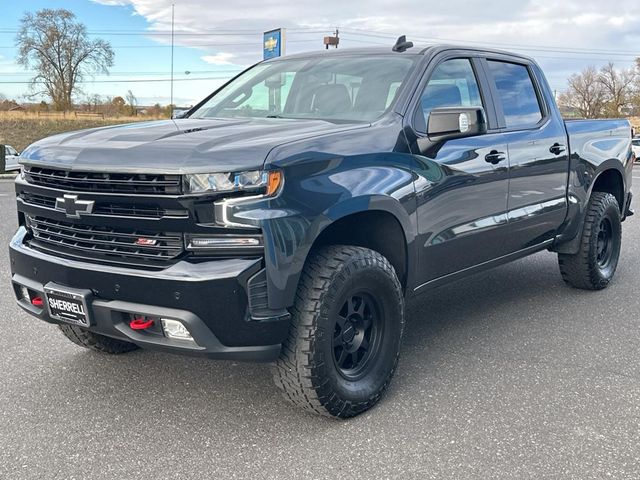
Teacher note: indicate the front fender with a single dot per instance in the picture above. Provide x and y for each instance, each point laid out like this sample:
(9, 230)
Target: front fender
(289, 240)
(314, 198)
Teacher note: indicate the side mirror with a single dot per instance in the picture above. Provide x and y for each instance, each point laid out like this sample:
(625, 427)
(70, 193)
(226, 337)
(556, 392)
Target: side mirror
(456, 122)
(178, 113)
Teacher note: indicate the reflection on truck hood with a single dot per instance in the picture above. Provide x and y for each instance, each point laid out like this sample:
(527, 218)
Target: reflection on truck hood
(180, 146)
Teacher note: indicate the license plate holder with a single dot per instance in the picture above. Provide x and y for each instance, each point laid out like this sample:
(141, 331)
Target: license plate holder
(69, 305)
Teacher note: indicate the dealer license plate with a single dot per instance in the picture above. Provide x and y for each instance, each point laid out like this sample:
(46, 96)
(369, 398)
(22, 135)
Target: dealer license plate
(67, 305)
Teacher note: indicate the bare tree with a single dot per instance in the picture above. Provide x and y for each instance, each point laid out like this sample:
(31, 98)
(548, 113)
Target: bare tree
(585, 94)
(132, 101)
(635, 97)
(617, 86)
(92, 102)
(57, 47)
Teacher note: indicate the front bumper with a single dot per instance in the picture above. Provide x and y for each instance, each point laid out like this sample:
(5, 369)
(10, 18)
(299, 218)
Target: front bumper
(210, 298)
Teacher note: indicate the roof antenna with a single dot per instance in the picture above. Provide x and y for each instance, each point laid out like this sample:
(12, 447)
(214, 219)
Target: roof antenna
(402, 44)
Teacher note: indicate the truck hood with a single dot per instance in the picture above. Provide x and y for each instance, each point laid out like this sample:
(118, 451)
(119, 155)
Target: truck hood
(175, 146)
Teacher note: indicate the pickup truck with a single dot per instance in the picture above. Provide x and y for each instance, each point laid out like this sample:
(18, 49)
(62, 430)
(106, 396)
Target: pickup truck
(288, 216)
(10, 158)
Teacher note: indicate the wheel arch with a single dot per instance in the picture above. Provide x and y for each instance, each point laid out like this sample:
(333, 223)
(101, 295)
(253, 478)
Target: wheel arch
(378, 230)
(609, 177)
(610, 180)
(333, 227)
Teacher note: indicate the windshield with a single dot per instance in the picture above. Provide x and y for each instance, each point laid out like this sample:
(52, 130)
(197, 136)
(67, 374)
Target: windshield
(341, 88)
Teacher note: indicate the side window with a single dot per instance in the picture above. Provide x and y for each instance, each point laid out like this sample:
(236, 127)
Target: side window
(517, 94)
(452, 84)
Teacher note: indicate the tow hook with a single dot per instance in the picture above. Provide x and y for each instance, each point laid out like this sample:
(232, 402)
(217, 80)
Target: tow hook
(140, 323)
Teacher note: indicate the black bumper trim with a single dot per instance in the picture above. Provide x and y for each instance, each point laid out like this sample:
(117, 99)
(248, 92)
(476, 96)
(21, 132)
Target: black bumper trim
(108, 320)
(211, 299)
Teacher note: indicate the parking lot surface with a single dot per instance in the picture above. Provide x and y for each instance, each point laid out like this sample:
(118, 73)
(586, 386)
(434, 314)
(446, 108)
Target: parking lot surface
(508, 374)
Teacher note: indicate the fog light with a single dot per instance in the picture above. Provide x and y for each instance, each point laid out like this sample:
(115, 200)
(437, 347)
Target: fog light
(225, 242)
(24, 291)
(176, 330)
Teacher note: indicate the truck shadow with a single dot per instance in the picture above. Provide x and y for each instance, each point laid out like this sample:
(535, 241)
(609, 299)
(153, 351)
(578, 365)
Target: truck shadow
(436, 322)
(475, 316)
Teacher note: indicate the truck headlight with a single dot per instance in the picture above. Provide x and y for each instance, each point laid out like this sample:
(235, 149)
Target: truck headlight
(254, 181)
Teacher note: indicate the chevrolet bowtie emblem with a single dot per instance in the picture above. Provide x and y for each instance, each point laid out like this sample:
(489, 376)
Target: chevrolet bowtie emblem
(270, 44)
(73, 207)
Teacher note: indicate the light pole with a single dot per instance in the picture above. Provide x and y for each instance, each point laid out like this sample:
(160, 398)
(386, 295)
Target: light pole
(173, 8)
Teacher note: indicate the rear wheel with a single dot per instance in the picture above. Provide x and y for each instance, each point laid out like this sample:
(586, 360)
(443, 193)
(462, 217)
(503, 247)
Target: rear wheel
(344, 340)
(95, 341)
(593, 267)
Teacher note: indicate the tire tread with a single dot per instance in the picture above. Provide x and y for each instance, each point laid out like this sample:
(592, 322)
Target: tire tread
(94, 341)
(579, 270)
(296, 373)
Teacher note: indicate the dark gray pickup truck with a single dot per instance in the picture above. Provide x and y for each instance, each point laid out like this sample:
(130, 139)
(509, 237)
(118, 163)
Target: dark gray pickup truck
(287, 217)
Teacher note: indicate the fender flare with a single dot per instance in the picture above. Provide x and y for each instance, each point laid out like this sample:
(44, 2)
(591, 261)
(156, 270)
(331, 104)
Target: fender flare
(573, 245)
(284, 295)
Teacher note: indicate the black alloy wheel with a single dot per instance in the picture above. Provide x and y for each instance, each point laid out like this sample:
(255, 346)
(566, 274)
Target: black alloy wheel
(356, 336)
(345, 334)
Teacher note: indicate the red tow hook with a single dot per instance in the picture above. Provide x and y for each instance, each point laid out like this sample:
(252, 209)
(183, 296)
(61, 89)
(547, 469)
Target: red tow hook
(37, 302)
(140, 323)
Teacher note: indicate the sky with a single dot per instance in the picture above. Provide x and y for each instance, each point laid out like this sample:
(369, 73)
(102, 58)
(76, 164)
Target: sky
(217, 38)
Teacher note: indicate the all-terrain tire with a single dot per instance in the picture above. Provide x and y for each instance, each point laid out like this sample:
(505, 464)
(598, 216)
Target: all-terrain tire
(593, 267)
(346, 295)
(95, 341)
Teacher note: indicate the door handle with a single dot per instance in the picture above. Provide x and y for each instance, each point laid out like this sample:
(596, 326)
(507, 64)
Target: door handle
(557, 148)
(494, 157)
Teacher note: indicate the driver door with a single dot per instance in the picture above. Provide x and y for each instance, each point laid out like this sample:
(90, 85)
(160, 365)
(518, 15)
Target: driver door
(461, 189)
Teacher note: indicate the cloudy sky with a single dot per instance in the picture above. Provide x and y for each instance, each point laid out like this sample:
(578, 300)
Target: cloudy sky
(217, 38)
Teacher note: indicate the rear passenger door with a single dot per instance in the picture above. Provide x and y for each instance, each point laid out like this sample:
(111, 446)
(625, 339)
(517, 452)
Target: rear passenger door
(537, 146)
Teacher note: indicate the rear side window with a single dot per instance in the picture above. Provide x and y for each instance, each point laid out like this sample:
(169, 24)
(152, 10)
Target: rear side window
(517, 94)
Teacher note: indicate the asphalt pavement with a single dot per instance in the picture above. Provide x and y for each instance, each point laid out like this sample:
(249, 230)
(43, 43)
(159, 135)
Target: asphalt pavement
(508, 374)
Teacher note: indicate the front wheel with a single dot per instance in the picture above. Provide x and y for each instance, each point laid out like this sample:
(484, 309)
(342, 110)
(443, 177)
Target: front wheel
(593, 267)
(345, 335)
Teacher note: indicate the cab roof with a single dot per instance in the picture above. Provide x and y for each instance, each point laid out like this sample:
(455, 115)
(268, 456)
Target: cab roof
(428, 49)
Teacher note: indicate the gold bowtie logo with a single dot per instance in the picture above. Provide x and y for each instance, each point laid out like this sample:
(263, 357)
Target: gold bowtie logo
(270, 44)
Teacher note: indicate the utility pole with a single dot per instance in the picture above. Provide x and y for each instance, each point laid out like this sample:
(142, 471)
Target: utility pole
(173, 8)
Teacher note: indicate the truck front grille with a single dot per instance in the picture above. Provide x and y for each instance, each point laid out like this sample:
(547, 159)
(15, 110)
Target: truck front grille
(123, 208)
(104, 244)
(127, 183)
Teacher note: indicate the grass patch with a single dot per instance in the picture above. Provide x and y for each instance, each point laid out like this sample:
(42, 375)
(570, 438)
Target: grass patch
(21, 130)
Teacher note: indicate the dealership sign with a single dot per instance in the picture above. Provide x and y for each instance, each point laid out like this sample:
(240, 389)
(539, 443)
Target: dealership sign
(273, 43)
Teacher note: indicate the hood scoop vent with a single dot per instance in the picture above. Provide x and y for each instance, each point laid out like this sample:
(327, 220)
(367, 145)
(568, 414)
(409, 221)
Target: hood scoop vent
(192, 130)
